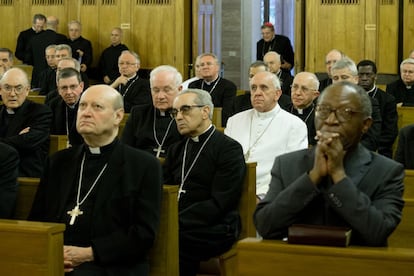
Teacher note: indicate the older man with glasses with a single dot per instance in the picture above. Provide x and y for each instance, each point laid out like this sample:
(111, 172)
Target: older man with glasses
(24, 125)
(209, 168)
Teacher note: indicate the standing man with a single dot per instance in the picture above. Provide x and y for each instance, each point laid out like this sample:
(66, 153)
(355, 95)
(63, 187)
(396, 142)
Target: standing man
(151, 127)
(209, 168)
(331, 58)
(6, 60)
(346, 70)
(134, 90)
(222, 91)
(37, 46)
(403, 88)
(305, 89)
(266, 131)
(9, 171)
(338, 182)
(367, 75)
(47, 78)
(81, 47)
(107, 193)
(277, 43)
(108, 62)
(38, 24)
(24, 124)
(65, 107)
(273, 62)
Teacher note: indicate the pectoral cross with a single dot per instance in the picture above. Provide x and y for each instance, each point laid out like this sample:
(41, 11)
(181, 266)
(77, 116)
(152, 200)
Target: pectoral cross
(247, 155)
(180, 191)
(158, 151)
(74, 213)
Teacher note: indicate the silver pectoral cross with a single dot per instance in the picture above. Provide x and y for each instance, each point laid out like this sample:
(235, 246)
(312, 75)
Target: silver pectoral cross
(158, 151)
(74, 213)
(180, 191)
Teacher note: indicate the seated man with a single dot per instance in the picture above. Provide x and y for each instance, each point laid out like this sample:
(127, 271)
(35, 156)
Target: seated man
(9, 170)
(222, 91)
(209, 168)
(107, 193)
(305, 89)
(338, 182)
(134, 90)
(346, 70)
(6, 60)
(150, 127)
(274, 62)
(367, 75)
(266, 131)
(330, 59)
(403, 88)
(24, 125)
(65, 107)
(405, 148)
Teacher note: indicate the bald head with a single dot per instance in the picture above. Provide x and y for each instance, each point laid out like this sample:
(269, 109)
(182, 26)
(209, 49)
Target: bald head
(273, 61)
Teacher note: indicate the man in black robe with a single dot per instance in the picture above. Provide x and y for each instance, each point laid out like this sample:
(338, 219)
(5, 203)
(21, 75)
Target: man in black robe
(108, 62)
(209, 168)
(81, 47)
(38, 23)
(108, 194)
(9, 170)
(65, 107)
(150, 127)
(134, 90)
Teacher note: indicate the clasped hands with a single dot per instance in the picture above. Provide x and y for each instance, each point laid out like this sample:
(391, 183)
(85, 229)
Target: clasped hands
(75, 255)
(329, 156)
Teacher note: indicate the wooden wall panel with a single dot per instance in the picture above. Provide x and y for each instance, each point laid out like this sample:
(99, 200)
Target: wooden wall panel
(8, 24)
(333, 24)
(387, 43)
(408, 31)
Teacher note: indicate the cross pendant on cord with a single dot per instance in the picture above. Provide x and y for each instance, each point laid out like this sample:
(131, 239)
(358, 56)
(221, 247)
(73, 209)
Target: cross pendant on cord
(74, 213)
(158, 151)
(180, 191)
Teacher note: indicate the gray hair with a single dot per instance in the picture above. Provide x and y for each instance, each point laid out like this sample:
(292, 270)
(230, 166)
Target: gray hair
(178, 79)
(75, 62)
(202, 98)
(407, 61)
(346, 63)
(60, 47)
(137, 59)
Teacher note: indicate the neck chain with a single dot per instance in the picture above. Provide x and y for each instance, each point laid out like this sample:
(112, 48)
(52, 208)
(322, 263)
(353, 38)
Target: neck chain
(185, 175)
(159, 149)
(247, 154)
(76, 211)
(307, 117)
(214, 86)
(126, 90)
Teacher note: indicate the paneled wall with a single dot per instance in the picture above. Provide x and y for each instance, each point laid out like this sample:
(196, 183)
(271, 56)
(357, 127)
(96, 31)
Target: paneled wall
(159, 30)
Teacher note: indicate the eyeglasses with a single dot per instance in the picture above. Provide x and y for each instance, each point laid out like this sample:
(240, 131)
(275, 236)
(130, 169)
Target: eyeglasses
(18, 89)
(305, 89)
(343, 114)
(126, 63)
(185, 110)
(65, 88)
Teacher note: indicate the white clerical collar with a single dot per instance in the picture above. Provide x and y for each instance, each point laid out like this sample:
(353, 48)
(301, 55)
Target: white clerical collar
(162, 113)
(300, 111)
(372, 90)
(96, 150)
(211, 82)
(10, 111)
(268, 114)
(133, 77)
(197, 138)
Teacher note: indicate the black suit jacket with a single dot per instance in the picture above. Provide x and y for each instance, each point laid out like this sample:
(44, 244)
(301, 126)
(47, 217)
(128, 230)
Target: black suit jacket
(126, 209)
(33, 147)
(223, 96)
(401, 93)
(137, 91)
(405, 148)
(371, 139)
(23, 42)
(389, 125)
(9, 169)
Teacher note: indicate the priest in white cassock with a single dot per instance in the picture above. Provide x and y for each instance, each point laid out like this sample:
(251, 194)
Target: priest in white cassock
(266, 130)
(108, 194)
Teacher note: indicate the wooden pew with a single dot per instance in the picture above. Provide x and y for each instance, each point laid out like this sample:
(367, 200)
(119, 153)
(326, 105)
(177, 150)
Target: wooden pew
(266, 257)
(57, 143)
(122, 124)
(164, 254)
(31, 248)
(216, 120)
(405, 116)
(225, 264)
(403, 236)
(409, 184)
(37, 98)
(25, 196)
